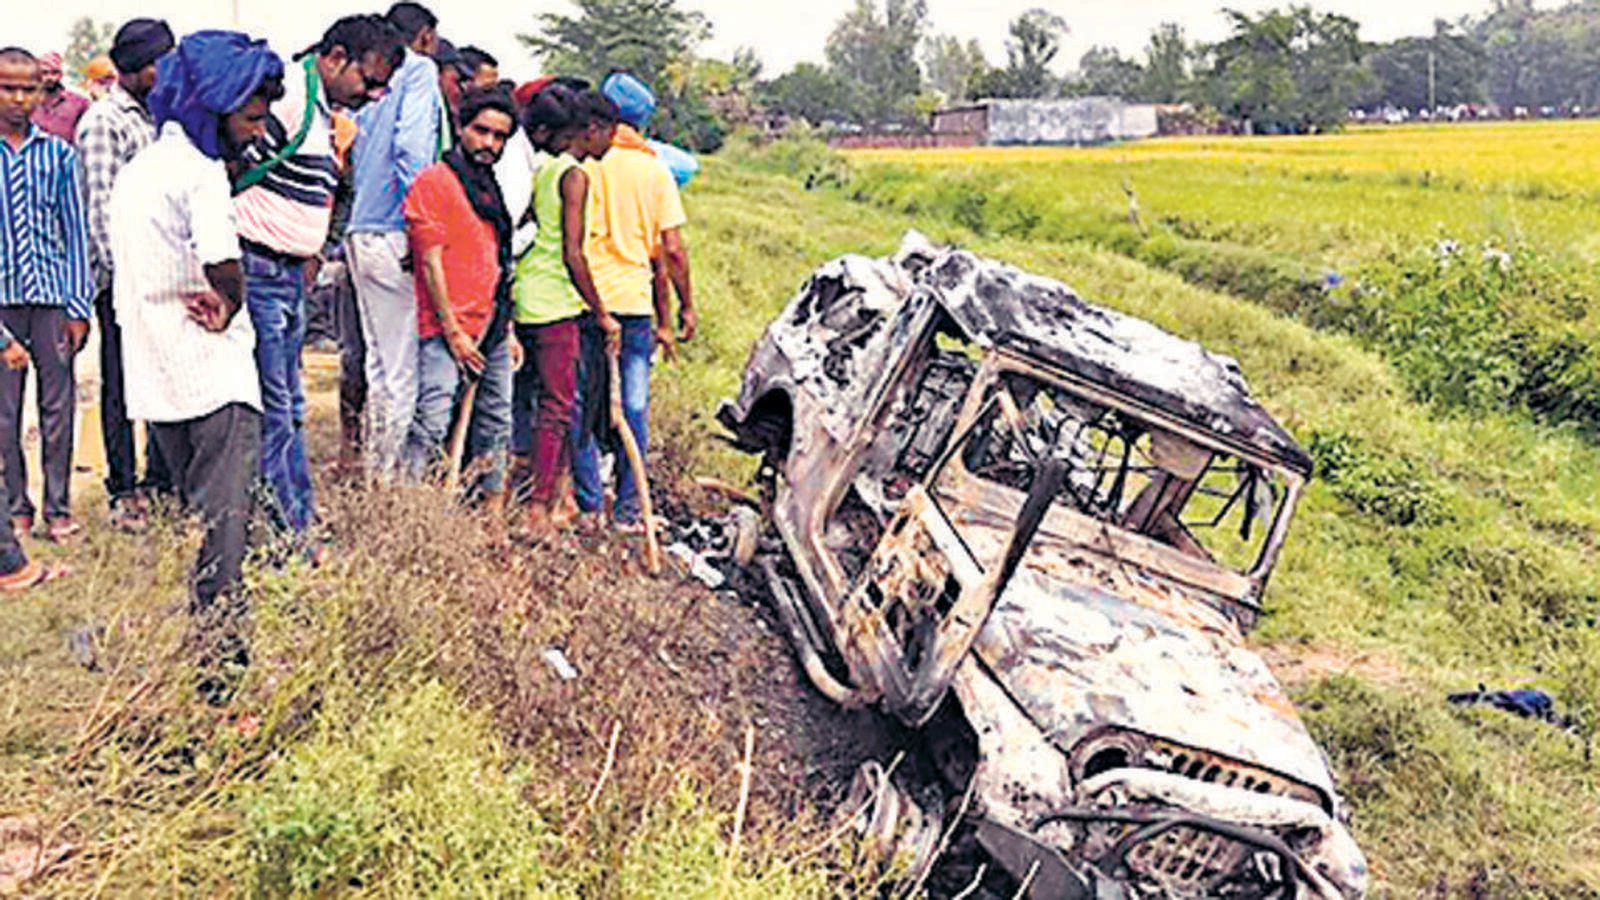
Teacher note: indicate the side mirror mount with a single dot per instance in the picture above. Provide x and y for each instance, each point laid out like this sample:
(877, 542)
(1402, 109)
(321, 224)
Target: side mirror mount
(1048, 477)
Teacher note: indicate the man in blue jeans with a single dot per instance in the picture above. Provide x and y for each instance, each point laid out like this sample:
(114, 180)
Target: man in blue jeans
(635, 253)
(284, 206)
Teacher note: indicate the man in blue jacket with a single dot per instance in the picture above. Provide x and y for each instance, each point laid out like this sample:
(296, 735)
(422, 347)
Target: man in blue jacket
(399, 136)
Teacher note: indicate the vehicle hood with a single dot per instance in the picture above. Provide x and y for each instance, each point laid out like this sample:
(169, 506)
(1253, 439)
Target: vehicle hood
(1077, 658)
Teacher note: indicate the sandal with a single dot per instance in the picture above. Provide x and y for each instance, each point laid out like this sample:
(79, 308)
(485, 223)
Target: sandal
(33, 574)
(63, 530)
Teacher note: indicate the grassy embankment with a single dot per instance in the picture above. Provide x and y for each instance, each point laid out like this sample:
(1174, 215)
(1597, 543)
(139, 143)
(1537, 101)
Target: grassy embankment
(1444, 545)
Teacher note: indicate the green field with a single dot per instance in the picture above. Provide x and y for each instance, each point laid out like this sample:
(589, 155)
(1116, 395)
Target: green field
(408, 738)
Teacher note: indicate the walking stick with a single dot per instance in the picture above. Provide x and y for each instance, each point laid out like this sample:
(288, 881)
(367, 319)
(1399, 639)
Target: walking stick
(636, 462)
(458, 437)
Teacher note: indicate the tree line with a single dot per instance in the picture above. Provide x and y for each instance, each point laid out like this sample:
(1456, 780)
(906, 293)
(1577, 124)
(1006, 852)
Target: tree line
(1289, 69)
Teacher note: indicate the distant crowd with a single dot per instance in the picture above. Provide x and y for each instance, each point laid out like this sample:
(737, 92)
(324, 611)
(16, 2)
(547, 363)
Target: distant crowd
(501, 258)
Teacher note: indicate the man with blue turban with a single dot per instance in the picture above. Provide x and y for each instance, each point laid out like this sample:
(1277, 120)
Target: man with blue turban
(189, 362)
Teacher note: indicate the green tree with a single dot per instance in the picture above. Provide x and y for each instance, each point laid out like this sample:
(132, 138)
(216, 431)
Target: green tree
(86, 39)
(1401, 70)
(1034, 44)
(1167, 77)
(1291, 70)
(644, 37)
(1105, 72)
(875, 53)
(954, 68)
(809, 92)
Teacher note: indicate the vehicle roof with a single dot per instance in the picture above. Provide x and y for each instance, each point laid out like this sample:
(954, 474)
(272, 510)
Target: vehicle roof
(999, 305)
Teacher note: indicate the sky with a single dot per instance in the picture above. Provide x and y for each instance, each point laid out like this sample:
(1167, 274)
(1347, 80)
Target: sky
(782, 33)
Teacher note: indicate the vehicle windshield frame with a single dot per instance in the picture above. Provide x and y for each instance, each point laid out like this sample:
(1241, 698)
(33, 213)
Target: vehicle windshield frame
(977, 408)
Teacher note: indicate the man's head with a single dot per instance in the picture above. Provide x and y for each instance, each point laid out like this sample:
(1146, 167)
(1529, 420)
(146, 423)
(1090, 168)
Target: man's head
(418, 27)
(450, 81)
(19, 89)
(99, 75)
(487, 119)
(598, 119)
(356, 57)
(216, 86)
(134, 51)
(482, 69)
(50, 72)
(634, 100)
(249, 121)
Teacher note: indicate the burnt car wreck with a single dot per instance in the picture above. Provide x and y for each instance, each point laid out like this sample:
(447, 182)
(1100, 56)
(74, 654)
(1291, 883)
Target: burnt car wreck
(1037, 530)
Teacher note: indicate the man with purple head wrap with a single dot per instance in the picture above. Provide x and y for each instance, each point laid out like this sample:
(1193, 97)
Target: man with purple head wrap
(189, 358)
(59, 109)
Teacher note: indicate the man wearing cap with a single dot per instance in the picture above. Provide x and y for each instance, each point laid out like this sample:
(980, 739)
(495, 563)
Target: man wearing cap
(112, 132)
(45, 290)
(634, 247)
(98, 78)
(59, 109)
(189, 355)
(284, 204)
(399, 136)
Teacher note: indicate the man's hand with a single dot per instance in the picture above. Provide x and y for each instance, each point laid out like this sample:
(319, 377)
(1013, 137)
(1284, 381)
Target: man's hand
(518, 358)
(668, 342)
(15, 356)
(209, 309)
(611, 328)
(688, 322)
(77, 334)
(465, 350)
(309, 272)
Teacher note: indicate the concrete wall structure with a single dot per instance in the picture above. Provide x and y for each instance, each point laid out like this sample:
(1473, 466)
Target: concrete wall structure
(1082, 120)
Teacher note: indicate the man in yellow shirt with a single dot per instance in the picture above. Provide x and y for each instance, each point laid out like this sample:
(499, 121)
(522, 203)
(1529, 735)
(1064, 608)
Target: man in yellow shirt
(634, 251)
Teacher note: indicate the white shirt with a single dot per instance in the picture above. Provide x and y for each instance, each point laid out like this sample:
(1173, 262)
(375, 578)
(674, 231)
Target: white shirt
(518, 166)
(171, 214)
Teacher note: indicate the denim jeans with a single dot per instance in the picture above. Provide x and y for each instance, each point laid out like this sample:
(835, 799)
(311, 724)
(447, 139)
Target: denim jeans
(638, 345)
(275, 296)
(439, 388)
(489, 431)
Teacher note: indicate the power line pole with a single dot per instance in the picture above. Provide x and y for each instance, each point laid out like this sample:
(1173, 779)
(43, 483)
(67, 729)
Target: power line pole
(1432, 80)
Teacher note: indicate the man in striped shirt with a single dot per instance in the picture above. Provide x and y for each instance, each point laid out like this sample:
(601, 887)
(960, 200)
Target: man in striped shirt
(284, 207)
(45, 289)
(109, 134)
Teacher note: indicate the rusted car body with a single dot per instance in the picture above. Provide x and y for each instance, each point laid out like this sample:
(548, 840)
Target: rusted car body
(1038, 529)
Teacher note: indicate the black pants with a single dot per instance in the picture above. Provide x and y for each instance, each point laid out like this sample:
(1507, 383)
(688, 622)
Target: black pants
(122, 475)
(215, 460)
(352, 359)
(43, 330)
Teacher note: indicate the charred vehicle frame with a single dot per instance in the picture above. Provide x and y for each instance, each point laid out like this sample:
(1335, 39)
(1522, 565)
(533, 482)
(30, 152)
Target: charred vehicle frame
(1038, 530)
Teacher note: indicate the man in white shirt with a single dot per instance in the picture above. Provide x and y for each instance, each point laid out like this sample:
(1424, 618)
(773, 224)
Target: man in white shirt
(188, 356)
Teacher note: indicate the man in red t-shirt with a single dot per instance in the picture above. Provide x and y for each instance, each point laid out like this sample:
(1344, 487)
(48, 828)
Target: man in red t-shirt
(460, 242)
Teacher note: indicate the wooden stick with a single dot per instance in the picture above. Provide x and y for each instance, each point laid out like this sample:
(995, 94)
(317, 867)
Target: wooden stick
(458, 437)
(641, 482)
(745, 770)
(605, 772)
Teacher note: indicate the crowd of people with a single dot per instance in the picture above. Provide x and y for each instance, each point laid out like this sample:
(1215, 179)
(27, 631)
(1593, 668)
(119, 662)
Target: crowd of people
(505, 246)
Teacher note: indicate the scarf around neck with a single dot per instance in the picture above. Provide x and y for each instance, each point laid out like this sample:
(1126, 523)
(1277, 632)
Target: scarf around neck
(483, 192)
